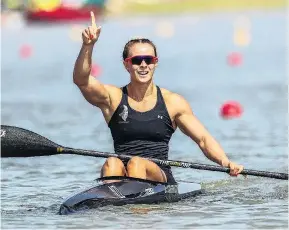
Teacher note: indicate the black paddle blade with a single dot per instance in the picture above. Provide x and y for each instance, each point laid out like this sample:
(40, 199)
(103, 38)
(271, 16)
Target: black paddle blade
(19, 142)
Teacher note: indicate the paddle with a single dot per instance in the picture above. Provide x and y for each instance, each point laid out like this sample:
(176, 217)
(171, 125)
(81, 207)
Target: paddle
(19, 142)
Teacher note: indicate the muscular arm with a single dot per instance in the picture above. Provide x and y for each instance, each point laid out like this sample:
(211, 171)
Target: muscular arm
(93, 90)
(193, 128)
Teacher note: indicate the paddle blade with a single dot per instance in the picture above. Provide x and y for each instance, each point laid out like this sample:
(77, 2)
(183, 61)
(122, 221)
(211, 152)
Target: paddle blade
(19, 142)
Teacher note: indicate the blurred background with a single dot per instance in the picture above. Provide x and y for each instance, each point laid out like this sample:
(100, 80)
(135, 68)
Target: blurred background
(227, 58)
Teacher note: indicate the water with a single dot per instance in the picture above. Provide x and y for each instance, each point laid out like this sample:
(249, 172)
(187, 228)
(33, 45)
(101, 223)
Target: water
(38, 94)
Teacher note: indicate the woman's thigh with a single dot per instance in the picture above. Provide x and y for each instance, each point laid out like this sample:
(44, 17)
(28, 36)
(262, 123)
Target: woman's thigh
(153, 171)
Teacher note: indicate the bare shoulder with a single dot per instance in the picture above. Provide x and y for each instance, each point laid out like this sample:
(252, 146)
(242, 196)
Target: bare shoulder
(115, 94)
(165, 92)
(113, 91)
(175, 101)
(112, 87)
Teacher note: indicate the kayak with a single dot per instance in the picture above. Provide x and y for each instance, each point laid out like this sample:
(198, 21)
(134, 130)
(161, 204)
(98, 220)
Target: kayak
(63, 14)
(127, 190)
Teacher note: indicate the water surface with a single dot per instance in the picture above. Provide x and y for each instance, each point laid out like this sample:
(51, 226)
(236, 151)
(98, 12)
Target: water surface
(38, 94)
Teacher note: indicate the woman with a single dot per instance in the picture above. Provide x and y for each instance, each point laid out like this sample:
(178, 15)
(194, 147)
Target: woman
(141, 116)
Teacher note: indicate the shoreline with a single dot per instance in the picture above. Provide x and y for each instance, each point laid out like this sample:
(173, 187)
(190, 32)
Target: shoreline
(191, 6)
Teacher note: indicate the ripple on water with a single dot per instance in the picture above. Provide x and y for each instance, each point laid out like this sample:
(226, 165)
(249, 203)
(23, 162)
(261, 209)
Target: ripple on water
(39, 95)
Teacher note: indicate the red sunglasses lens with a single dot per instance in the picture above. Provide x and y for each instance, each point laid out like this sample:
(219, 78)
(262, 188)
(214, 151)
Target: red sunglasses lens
(137, 60)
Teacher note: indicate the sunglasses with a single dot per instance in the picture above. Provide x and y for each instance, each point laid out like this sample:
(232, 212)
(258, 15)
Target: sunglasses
(137, 60)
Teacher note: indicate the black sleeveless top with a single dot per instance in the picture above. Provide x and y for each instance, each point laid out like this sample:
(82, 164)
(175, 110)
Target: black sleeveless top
(144, 134)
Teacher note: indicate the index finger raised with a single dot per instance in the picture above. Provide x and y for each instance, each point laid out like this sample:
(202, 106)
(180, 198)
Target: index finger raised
(93, 23)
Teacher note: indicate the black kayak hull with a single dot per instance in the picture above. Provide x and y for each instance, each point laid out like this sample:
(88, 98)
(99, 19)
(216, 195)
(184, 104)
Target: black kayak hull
(128, 191)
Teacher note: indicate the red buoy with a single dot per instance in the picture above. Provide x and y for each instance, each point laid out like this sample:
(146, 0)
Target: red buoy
(95, 70)
(231, 109)
(25, 51)
(235, 59)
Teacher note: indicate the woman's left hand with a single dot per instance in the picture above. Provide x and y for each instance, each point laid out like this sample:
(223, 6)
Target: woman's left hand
(235, 169)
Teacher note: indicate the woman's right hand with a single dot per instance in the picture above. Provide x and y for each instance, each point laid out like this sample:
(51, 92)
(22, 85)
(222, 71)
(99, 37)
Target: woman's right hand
(91, 34)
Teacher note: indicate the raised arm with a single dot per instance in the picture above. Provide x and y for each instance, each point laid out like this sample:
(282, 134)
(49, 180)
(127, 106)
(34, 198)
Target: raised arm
(192, 127)
(93, 90)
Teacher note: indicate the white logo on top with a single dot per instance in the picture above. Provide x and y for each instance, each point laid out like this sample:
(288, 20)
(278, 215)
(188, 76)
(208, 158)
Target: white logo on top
(2, 133)
(159, 116)
(124, 113)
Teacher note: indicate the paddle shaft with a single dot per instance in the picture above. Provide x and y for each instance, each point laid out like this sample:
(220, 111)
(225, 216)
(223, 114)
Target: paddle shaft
(19, 142)
(182, 164)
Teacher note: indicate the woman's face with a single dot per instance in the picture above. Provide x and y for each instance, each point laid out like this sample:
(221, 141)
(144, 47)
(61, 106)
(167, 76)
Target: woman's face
(141, 62)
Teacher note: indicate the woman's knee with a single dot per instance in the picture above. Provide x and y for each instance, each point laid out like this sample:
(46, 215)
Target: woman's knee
(113, 167)
(135, 162)
(113, 162)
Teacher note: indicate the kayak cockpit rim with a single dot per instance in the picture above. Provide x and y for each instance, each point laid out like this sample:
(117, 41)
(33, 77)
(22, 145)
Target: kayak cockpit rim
(108, 178)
